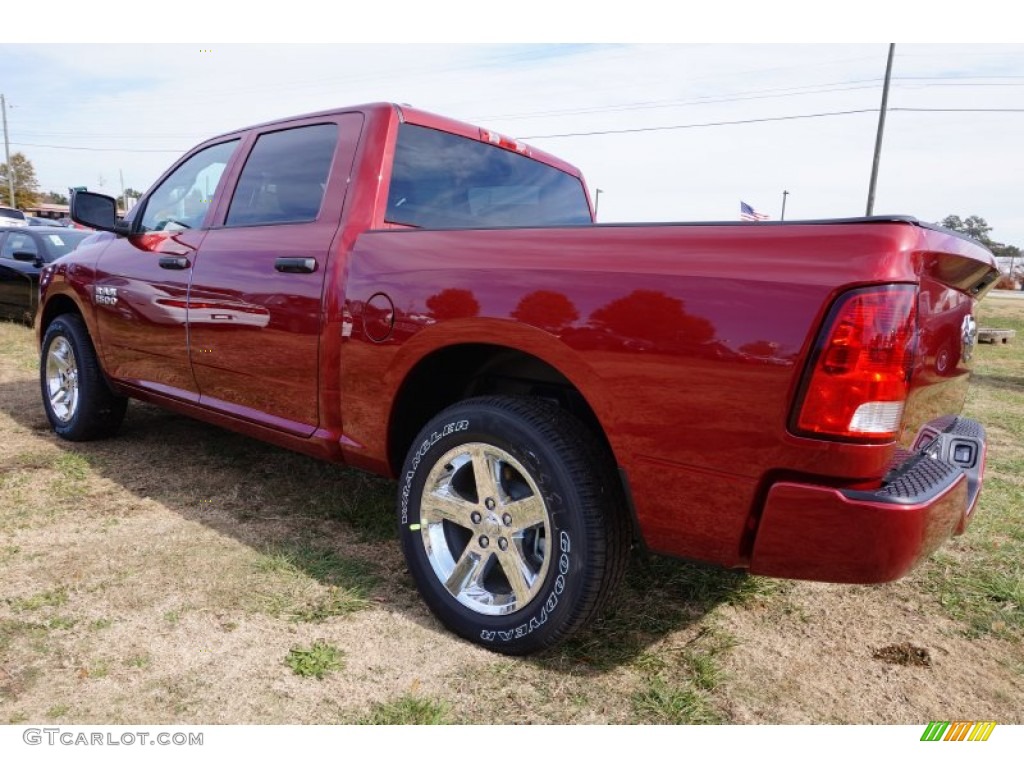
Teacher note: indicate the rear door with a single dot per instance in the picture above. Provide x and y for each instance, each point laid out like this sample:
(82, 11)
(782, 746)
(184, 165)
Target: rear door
(254, 307)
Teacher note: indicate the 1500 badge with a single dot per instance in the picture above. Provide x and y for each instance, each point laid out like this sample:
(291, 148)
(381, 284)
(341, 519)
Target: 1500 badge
(105, 295)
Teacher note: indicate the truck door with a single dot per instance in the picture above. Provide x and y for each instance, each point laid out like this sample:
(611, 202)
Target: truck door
(142, 280)
(254, 307)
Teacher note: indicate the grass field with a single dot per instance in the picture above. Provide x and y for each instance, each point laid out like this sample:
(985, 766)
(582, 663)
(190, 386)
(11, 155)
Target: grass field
(183, 574)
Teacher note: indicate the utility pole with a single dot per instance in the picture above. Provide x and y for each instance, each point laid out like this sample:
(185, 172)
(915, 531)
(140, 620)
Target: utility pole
(124, 200)
(597, 201)
(881, 129)
(7, 150)
(785, 194)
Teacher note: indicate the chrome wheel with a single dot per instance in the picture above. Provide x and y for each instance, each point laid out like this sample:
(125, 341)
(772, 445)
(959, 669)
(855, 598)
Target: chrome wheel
(485, 529)
(62, 379)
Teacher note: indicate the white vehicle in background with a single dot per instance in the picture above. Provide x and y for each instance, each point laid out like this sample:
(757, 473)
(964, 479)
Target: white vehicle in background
(12, 217)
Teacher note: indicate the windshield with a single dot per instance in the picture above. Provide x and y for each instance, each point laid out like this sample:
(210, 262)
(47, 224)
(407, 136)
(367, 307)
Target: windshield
(61, 244)
(443, 180)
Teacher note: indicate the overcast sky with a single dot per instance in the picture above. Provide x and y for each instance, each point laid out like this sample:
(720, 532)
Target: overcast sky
(734, 121)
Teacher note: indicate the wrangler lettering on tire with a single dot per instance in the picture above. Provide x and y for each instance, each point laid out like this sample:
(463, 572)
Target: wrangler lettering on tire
(511, 522)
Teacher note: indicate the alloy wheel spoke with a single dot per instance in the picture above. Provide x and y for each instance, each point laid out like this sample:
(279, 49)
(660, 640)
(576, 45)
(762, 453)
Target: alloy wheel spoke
(525, 513)
(467, 572)
(441, 506)
(485, 471)
(517, 572)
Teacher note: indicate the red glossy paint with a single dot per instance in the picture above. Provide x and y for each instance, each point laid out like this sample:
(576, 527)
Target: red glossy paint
(809, 532)
(687, 343)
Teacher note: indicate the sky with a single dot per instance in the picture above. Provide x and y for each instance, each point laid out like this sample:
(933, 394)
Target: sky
(667, 131)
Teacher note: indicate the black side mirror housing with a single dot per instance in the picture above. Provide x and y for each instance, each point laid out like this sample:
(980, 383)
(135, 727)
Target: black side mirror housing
(26, 256)
(96, 211)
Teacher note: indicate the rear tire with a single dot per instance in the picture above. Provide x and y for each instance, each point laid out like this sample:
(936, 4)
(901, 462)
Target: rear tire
(79, 403)
(512, 523)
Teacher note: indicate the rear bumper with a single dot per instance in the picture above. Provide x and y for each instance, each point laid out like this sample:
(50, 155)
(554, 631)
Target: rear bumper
(866, 537)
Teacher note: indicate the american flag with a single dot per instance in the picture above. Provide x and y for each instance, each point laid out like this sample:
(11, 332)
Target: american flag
(747, 213)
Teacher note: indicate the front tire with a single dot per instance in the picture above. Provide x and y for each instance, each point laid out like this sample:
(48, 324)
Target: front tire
(79, 403)
(511, 522)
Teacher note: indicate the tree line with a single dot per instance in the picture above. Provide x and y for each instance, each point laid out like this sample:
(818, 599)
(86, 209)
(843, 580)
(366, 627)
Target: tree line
(976, 227)
(26, 186)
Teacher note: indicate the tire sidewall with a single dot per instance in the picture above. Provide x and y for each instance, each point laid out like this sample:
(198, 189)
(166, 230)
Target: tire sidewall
(61, 328)
(555, 605)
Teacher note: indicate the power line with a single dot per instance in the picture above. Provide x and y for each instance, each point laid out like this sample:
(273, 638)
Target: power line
(752, 120)
(95, 149)
(951, 109)
(764, 93)
(699, 125)
(614, 130)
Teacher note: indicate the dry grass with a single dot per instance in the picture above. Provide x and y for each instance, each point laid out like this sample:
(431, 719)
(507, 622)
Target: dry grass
(179, 573)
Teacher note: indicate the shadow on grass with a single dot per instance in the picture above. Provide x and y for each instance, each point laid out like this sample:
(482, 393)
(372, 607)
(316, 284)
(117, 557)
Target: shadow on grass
(337, 525)
(1013, 383)
(659, 595)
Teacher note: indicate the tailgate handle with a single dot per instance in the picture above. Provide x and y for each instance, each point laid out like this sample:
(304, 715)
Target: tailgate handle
(174, 262)
(295, 264)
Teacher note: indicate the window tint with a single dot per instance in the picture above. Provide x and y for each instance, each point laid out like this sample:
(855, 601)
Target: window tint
(18, 243)
(184, 197)
(443, 180)
(62, 243)
(285, 176)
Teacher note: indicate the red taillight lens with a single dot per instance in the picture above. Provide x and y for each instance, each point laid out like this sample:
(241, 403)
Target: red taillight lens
(857, 383)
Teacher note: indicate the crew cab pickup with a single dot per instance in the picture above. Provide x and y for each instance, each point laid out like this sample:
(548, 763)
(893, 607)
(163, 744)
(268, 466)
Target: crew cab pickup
(424, 299)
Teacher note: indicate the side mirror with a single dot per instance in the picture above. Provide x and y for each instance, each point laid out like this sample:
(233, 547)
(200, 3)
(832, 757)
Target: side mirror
(96, 211)
(26, 256)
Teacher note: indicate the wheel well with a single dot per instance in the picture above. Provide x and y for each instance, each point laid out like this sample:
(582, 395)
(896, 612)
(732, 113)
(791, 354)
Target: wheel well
(467, 370)
(58, 305)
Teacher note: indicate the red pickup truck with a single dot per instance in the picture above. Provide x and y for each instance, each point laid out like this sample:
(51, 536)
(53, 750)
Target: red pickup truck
(424, 299)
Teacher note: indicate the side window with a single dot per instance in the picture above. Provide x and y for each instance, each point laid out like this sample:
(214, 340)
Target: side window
(18, 243)
(285, 177)
(184, 197)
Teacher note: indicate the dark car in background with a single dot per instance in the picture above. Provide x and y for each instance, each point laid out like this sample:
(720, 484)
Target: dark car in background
(24, 251)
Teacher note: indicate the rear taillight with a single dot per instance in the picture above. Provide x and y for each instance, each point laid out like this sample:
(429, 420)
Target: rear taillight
(856, 384)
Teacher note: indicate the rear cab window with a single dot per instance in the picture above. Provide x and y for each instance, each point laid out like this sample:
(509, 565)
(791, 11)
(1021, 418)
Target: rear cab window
(442, 180)
(285, 177)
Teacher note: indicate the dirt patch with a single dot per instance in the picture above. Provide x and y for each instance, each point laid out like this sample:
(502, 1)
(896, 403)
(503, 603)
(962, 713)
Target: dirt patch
(904, 654)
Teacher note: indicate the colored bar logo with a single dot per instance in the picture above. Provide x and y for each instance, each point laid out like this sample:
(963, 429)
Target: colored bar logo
(958, 730)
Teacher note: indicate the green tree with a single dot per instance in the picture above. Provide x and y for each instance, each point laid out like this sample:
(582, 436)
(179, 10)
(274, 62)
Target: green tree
(56, 198)
(26, 187)
(972, 226)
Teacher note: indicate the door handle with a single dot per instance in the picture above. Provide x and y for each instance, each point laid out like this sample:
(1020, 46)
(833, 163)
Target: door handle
(295, 264)
(174, 262)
